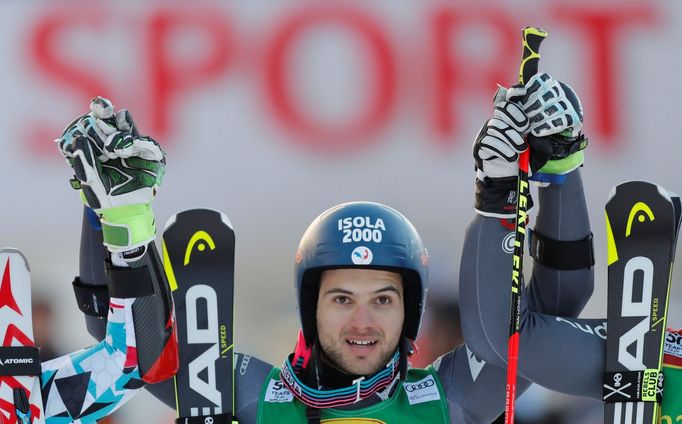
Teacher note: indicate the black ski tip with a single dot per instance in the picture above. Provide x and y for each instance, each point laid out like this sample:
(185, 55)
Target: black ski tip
(198, 213)
(636, 185)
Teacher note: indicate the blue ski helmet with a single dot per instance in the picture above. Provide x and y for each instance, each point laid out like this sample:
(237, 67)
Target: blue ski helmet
(361, 235)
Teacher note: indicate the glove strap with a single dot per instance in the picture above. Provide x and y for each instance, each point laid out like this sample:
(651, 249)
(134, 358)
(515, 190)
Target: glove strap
(496, 197)
(127, 227)
(559, 254)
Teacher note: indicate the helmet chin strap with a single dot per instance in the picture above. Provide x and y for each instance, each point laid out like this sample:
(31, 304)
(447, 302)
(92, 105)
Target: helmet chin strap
(405, 351)
(302, 353)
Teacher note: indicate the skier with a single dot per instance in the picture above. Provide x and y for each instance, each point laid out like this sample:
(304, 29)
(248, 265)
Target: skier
(361, 278)
(140, 344)
(558, 351)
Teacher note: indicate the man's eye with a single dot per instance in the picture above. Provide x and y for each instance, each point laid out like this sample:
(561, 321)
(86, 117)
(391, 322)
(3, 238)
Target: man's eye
(342, 300)
(383, 300)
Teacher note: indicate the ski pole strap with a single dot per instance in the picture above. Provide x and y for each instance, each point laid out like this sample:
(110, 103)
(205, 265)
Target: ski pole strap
(633, 386)
(208, 419)
(559, 254)
(19, 360)
(92, 300)
(127, 283)
(563, 147)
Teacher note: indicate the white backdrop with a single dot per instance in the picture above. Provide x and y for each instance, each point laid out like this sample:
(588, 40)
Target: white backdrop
(274, 111)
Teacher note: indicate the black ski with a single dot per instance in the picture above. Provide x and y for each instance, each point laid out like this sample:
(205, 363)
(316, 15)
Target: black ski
(198, 255)
(641, 224)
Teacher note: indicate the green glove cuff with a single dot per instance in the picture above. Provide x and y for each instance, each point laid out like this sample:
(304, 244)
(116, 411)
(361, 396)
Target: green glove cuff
(565, 165)
(127, 227)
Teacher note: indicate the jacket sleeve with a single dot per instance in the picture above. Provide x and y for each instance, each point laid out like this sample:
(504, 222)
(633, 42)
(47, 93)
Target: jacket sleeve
(91, 383)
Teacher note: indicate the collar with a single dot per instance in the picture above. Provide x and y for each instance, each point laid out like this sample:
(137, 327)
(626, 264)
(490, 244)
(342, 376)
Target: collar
(361, 387)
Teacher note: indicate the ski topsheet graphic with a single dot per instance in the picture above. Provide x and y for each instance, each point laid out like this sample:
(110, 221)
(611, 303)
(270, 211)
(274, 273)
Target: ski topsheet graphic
(641, 224)
(20, 398)
(198, 255)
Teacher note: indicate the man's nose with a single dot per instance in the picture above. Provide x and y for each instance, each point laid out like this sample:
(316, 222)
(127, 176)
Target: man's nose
(362, 318)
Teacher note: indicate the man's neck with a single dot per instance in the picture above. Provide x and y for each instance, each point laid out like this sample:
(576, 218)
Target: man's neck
(331, 377)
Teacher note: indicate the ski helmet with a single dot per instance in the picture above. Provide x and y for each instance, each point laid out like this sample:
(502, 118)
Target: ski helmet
(361, 235)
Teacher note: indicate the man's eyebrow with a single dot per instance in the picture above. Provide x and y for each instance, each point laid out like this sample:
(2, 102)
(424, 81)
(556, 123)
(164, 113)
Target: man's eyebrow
(339, 290)
(388, 288)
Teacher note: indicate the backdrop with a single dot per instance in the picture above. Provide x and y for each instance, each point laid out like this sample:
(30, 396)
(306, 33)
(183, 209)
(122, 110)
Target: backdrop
(274, 111)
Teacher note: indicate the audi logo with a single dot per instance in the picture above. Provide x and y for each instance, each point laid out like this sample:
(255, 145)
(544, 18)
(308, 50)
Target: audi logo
(412, 387)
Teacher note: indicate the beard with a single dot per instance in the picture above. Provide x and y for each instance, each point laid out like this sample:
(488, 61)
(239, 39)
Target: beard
(333, 353)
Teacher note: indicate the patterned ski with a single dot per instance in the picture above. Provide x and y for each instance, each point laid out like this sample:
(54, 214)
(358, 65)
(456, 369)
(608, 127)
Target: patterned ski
(641, 224)
(198, 255)
(20, 397)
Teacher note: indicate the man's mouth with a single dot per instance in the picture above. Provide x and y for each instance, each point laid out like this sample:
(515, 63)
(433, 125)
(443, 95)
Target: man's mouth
(361, 343)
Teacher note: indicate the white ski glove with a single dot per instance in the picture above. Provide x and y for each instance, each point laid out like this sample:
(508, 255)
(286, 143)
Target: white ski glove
(555, 132)
(496, 153)
(552, 107)
(501, 139)
(118, 172)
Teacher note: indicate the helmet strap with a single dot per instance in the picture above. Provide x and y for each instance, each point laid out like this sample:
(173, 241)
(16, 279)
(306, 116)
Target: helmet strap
(302, 353)
(413, 348)
(405, 350)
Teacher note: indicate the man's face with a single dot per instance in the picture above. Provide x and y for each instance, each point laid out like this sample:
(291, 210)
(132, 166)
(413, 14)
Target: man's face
(360, 317)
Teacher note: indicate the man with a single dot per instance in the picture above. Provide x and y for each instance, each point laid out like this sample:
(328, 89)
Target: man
(362, 279)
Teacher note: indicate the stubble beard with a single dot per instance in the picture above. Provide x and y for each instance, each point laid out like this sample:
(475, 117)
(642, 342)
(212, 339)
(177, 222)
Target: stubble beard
(333, 353)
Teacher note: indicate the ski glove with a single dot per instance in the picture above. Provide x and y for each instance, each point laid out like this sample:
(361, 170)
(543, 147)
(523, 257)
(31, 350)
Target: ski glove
(118, 172)
(555, 130)
(496, 153)
(501, 139)
(552, 107)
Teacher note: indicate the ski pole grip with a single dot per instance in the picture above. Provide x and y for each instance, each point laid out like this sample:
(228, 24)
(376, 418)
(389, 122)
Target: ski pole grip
(532, 38)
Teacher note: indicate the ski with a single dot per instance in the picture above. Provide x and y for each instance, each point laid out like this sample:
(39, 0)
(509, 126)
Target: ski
(671, 408)
(641, 226)
(20, 396)
(198, 256)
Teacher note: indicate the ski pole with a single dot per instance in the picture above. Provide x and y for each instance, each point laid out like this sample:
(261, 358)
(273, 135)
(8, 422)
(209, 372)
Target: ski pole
(532, 38)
